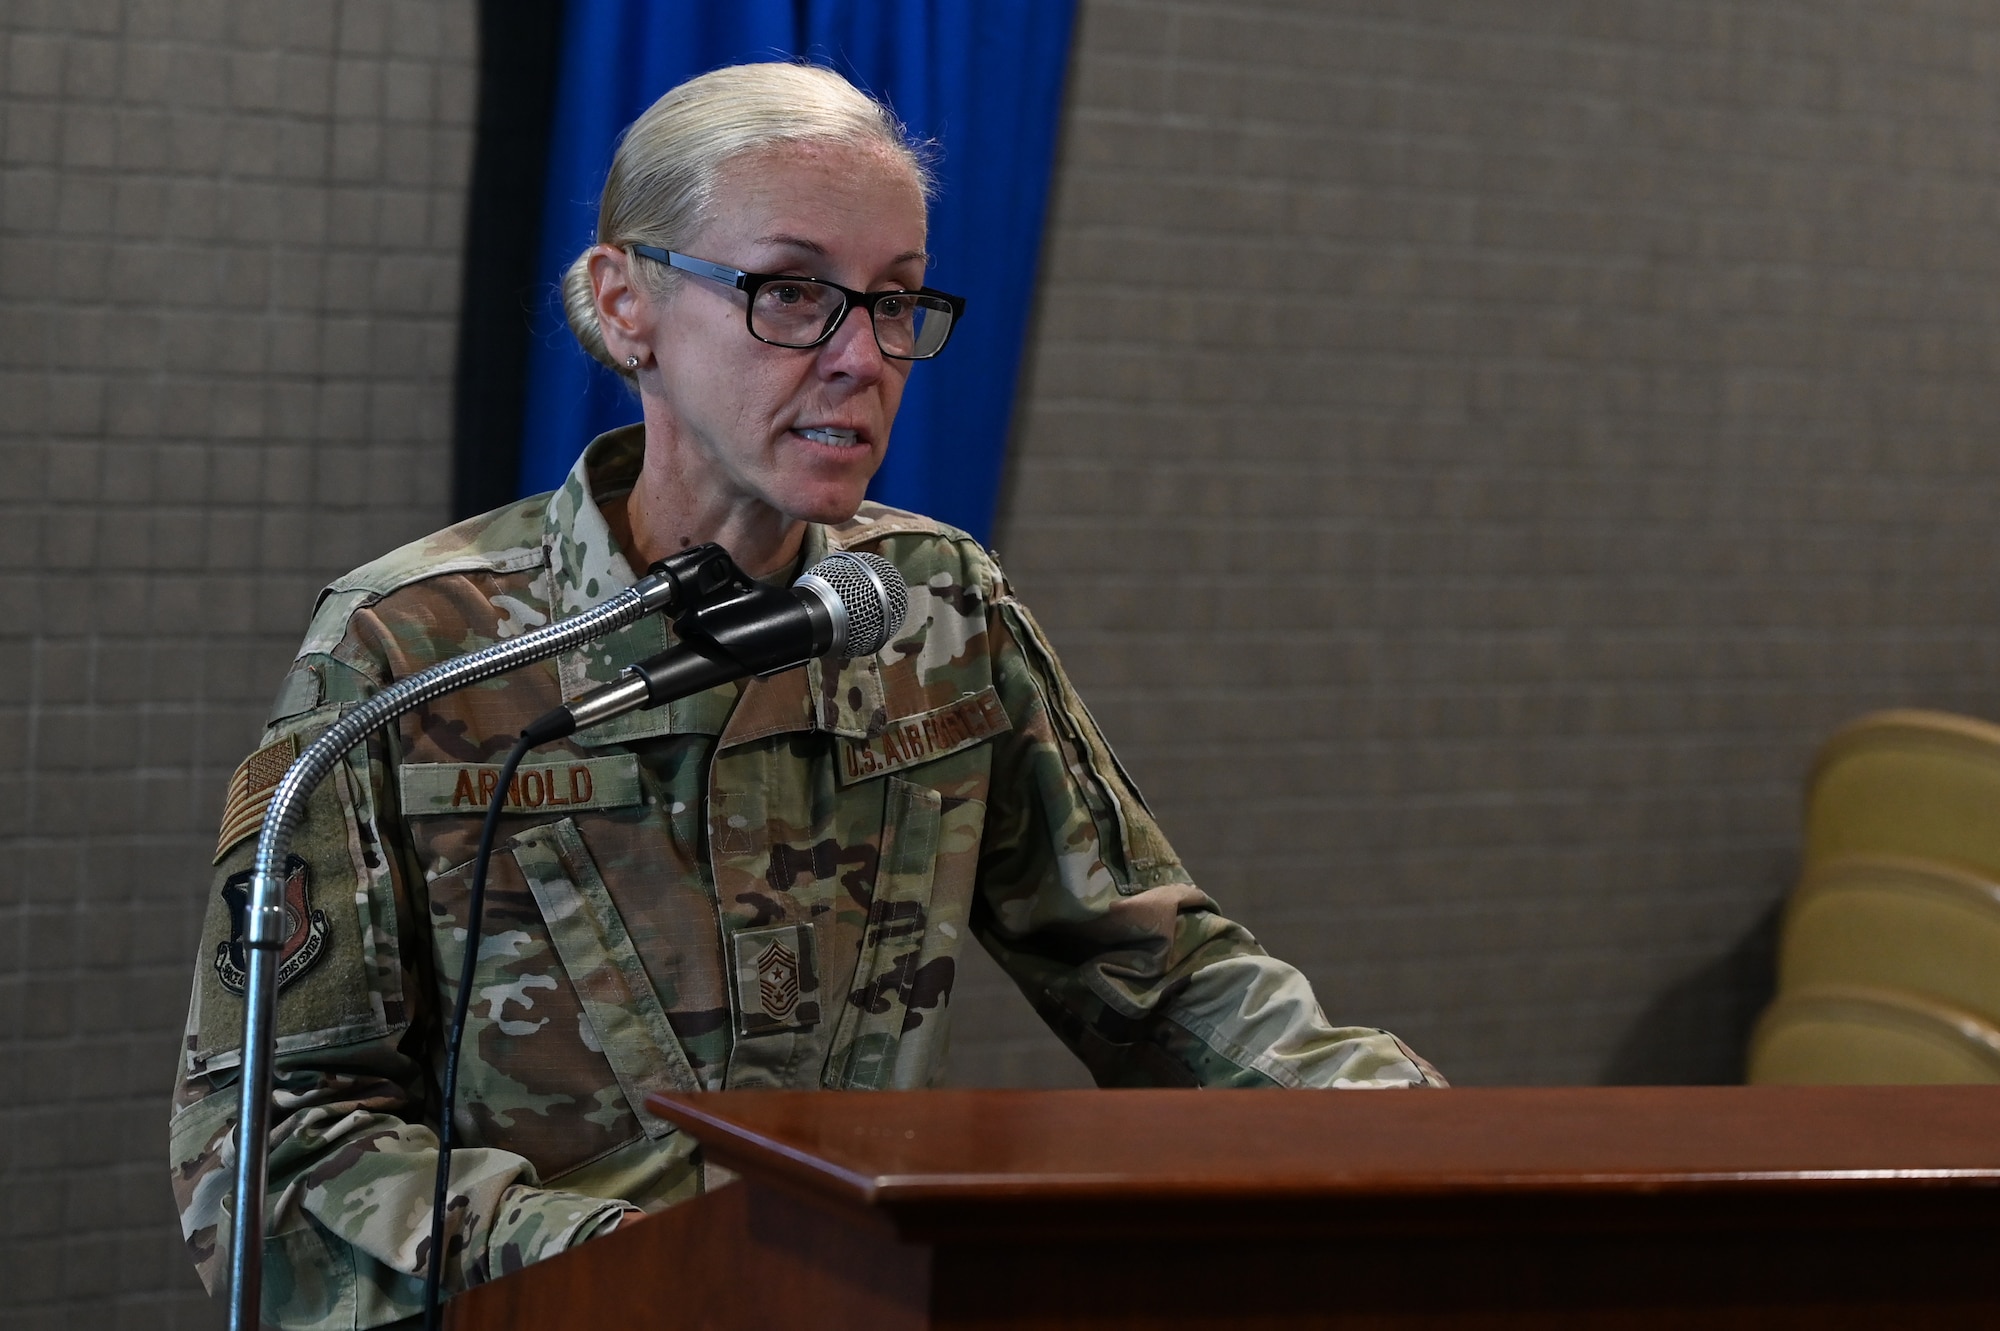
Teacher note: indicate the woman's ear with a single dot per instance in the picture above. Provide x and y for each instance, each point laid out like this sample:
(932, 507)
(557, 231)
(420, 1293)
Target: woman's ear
(625, 309)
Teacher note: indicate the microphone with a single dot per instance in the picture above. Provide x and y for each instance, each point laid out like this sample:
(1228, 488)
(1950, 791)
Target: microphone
(848, 604)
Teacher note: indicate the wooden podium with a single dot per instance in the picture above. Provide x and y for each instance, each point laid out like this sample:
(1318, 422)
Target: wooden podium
(1716, 1207)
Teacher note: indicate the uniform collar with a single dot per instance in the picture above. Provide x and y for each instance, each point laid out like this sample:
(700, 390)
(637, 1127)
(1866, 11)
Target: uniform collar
(586, 568)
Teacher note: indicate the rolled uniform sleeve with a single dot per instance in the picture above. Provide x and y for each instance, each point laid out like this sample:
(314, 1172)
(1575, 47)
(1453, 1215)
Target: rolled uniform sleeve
(1084, 903)
(352, 1161)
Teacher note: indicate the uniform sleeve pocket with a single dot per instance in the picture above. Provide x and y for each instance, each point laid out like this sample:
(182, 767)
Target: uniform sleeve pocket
(1131, 840)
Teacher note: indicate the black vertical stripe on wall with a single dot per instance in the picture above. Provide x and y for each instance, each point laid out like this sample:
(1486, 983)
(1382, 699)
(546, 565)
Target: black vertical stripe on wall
(520, 44)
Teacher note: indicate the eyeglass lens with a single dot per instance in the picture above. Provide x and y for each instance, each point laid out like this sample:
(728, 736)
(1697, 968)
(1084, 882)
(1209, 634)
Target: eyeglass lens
(797, 313)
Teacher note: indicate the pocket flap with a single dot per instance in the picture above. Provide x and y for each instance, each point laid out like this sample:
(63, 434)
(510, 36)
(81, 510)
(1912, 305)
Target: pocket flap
(597, 953)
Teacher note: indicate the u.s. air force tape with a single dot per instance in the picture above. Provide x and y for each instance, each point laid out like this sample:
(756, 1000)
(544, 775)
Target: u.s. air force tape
(908, 740)
(611, 782)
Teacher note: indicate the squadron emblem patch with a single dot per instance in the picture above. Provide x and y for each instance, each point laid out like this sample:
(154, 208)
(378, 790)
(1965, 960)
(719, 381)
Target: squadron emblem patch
(305, 929)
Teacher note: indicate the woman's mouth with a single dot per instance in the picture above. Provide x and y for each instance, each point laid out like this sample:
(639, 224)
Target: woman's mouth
(831, 436)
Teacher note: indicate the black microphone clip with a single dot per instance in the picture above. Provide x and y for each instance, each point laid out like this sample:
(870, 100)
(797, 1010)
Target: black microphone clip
(695, 578)
(730, 626)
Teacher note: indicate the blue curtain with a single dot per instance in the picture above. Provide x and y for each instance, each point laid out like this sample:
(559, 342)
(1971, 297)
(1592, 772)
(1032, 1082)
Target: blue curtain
(982, 80)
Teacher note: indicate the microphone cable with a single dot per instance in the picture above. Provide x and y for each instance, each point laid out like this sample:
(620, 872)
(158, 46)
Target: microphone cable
(475, 907)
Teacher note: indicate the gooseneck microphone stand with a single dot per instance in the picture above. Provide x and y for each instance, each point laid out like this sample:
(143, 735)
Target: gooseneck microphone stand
(671, 585)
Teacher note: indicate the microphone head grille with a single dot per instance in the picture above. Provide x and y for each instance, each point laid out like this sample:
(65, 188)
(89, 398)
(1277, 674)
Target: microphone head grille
(872, 591)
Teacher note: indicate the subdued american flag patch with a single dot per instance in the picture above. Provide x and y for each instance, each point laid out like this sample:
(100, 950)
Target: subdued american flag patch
(250, 790)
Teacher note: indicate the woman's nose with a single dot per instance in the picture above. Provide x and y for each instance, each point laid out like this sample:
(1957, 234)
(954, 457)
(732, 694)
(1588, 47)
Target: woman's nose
(853, 350)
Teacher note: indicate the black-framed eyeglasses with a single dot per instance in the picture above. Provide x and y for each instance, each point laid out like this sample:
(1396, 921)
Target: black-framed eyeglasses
(788, 311)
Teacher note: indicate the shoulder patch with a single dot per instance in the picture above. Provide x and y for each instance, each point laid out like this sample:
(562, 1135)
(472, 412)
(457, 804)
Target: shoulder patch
(305, 929)
(250, 788)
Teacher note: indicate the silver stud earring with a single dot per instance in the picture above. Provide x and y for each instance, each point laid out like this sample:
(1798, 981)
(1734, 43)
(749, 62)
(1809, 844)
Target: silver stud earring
(631, 362)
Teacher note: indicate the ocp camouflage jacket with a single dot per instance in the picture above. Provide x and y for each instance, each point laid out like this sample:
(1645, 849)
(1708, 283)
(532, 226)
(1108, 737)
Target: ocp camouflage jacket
(760, 886)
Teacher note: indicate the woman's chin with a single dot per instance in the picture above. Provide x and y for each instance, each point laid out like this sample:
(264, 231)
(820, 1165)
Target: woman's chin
(830, 490)
(829, 505)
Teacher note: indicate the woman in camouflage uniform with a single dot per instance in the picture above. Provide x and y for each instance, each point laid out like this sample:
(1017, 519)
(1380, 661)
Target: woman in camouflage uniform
(765, 885)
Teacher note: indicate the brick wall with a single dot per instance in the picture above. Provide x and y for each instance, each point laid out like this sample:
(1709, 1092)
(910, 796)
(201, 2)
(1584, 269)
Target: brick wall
(229, 237)
(1475, 451)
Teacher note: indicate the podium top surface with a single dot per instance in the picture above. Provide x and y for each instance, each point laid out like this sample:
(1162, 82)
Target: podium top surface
(885, 1148)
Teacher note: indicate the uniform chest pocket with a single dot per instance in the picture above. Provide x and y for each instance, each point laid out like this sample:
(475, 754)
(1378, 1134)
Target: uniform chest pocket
(565, 1035)
(890, 1031)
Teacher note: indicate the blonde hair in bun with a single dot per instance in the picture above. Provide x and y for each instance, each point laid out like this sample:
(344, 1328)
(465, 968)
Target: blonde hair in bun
(662, 179)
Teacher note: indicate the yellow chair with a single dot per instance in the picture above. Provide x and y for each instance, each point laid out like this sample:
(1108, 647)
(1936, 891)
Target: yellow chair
(1915, 783)
(1856, 1035)
(1894, 923)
